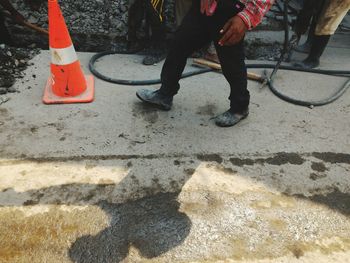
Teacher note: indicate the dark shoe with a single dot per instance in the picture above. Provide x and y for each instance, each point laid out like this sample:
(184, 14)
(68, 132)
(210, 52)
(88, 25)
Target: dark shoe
(308, 64)
(228, 118)
(319, 44)
(155, 98)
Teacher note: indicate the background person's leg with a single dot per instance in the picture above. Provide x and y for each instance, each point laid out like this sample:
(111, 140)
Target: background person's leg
(331, 16)
(5, 37)
(329, 19)
(157, 46)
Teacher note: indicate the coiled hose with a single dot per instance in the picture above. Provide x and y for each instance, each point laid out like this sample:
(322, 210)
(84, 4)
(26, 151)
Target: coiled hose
(287, 46)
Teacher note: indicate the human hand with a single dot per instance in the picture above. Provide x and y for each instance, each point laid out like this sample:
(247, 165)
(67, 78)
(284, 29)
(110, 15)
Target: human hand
(233, 31)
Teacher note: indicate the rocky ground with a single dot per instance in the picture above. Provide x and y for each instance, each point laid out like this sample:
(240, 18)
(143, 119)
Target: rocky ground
(99, 25)
(94, 24)
(12, 63)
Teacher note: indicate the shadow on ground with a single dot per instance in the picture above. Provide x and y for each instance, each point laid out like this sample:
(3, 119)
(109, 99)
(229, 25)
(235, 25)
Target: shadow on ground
(153, 224)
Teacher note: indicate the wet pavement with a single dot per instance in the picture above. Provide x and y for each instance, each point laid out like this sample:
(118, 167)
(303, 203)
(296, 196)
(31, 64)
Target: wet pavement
(115, 181)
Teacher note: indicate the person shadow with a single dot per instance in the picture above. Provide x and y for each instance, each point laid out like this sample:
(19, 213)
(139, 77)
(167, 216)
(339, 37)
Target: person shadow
(153, 223)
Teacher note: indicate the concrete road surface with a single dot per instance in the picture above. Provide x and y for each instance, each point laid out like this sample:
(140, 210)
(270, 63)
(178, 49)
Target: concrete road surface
(116, 181)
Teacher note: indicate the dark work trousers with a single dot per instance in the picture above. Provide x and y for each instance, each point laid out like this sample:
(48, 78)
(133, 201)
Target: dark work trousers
(196, 31)
(5, 37)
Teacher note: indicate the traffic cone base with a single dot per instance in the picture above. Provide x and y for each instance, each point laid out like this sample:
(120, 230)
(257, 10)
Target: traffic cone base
(67, 83)
(85, 97)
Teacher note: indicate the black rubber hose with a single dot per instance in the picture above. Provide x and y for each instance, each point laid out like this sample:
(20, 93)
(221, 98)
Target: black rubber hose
(286, 41)
(99, 75)
(132, 82)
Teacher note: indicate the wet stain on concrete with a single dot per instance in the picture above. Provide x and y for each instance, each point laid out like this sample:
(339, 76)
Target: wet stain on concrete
(89, 114)
(283, 158)
(318, 167)
(175, 185)
(146, 112)
(30, 202)
(336, 200)
(189, 171)
(241, 162)
(330, 157)
(34, 129)
(317, 176)
(277, 159)
(58, 126)
(24, 158)
(208, 109)
(210, 158)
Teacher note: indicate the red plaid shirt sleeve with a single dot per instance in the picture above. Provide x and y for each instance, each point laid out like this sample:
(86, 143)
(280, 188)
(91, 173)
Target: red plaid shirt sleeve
(254, 11)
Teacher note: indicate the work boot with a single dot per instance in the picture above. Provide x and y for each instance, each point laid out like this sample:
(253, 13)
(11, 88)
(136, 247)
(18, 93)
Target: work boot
(155, 98)
(229, 118)
(318, 46)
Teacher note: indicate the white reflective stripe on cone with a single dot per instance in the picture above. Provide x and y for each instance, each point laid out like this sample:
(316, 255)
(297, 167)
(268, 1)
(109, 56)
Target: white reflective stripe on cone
(63, 56)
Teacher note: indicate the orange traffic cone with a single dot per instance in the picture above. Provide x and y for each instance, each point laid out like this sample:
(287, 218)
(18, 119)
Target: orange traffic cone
(67, 83)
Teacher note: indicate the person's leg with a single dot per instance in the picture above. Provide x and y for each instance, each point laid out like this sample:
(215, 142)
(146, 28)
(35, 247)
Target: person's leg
(306, 47)
(191, 35)
(235, 72)
(328, 22)
(331, 17)
(136, 14)
(5, 37)
(233, 68)
(316, 8)
(157, 46)
(318, 45)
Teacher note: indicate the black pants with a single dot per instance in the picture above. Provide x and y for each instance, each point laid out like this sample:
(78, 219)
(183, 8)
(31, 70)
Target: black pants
(5, 37)
(196, 31)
